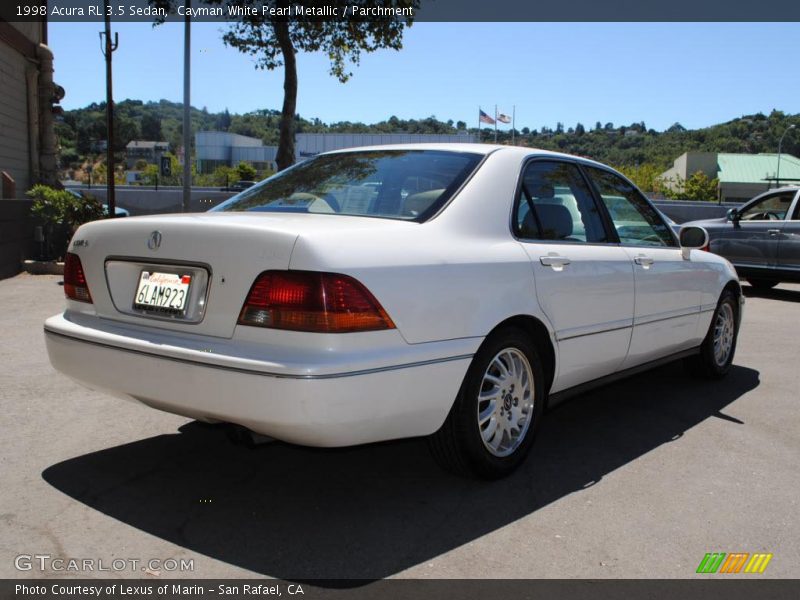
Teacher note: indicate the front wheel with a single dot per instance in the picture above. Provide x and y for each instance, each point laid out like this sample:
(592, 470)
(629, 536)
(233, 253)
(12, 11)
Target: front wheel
(716, 353)
(492, 424)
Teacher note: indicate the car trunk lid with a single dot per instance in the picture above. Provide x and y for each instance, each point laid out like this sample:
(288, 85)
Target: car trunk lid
(218, 255)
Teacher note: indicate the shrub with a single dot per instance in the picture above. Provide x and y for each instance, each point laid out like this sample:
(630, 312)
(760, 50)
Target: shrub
(246, 171)
(61, 213)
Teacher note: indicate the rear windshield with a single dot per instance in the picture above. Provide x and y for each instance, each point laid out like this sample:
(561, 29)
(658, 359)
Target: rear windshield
(394, 184)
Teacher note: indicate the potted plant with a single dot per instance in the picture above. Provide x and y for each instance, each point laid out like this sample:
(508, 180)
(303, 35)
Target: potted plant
(60, 212)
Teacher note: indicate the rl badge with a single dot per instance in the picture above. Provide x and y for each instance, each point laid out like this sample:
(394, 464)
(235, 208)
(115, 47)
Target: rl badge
(720, 562)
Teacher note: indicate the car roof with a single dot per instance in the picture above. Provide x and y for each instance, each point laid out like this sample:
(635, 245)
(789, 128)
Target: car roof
(783, 188)
(485, 149)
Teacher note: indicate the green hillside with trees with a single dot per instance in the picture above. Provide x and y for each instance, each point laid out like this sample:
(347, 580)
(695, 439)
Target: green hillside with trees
(640, 152)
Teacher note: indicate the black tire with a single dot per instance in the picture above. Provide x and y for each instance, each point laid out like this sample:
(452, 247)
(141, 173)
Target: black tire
(707, 364)
(763, 284)
(458, 446)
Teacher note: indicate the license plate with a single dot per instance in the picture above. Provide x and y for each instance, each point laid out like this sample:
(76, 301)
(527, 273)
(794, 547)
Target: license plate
(162, 292)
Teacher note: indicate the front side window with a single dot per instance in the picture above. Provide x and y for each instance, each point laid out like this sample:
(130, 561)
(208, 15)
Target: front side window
(636, 221)
(393, 184)
(771, 208)
(555, 204)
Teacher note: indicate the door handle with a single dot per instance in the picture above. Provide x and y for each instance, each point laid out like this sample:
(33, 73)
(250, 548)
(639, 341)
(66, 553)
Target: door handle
(774, 231)
(643, 260)
(556, 262)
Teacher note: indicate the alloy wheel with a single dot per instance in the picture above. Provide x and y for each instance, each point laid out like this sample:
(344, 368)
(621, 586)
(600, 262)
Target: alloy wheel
(505, 402)
(724, 330)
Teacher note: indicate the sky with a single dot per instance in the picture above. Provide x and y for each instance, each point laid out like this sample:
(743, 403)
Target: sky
(697, 74)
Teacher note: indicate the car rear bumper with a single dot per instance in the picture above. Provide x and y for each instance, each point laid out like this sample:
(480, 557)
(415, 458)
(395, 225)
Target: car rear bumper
(365, 403)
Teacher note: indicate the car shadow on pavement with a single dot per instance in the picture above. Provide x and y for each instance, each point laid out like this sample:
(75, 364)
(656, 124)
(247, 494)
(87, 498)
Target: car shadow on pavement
(372, 511)
(773, 294)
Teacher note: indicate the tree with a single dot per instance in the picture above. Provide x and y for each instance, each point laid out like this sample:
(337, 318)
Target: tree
(149, 175)
(701, 187)
(224, 121)
(645, 176)
(224, 175)
(580, 129)
(246, 171)
(151, 127)
(125, 130)
(275, 42)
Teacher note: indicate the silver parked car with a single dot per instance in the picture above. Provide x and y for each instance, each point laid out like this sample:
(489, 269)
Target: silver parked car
(761, 238)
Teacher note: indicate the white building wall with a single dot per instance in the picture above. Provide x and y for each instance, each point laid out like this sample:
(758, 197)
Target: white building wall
(311, 144)
(249, 154)
(233, 148)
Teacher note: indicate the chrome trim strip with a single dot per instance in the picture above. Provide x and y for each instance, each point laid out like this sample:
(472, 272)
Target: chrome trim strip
(579, 332)
(753, 266)
(666, 316)
(562, 338)
(198, 363)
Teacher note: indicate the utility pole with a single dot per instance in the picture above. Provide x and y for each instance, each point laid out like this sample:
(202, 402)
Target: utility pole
(187, 123)
(108, 48)
(513, 124)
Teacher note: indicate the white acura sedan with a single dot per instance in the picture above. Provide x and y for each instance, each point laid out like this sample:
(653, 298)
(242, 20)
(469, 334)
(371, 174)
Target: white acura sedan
(452, 291)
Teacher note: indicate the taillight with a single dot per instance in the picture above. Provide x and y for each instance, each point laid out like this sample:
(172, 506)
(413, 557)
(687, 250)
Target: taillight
(309, 301)
(75, 286)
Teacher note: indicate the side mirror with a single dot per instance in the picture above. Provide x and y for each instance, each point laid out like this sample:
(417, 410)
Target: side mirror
(692, 238)
(732, 214)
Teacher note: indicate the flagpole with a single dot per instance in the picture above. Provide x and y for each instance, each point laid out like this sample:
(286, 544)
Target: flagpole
(495, 123)
(479, 124)
(513, 122)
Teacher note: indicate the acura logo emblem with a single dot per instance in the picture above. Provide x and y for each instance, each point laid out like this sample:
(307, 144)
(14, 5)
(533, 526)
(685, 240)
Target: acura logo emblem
(154, 241)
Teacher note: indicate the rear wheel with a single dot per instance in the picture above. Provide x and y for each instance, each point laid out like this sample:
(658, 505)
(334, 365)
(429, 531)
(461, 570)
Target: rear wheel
(763, 284)
(716, 353)
(497, 412)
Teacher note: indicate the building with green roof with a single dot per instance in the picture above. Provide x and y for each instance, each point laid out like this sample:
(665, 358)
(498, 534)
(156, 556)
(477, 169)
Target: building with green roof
(741, 176)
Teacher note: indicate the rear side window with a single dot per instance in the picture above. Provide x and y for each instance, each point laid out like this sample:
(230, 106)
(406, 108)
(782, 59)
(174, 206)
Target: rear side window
(555, 204)
(393, 184)
(636, 221)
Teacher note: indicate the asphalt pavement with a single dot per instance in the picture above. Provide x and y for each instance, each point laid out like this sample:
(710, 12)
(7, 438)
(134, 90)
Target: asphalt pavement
(639, 479)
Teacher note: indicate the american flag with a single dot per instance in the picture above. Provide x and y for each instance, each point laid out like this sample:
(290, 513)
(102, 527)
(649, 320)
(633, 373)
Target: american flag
(484, 118)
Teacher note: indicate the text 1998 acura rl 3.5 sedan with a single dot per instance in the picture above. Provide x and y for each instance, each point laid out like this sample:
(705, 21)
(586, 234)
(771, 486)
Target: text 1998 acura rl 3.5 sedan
(395, 291)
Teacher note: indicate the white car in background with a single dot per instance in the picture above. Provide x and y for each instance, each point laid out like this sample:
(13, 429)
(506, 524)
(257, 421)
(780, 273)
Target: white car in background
(451, 291)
